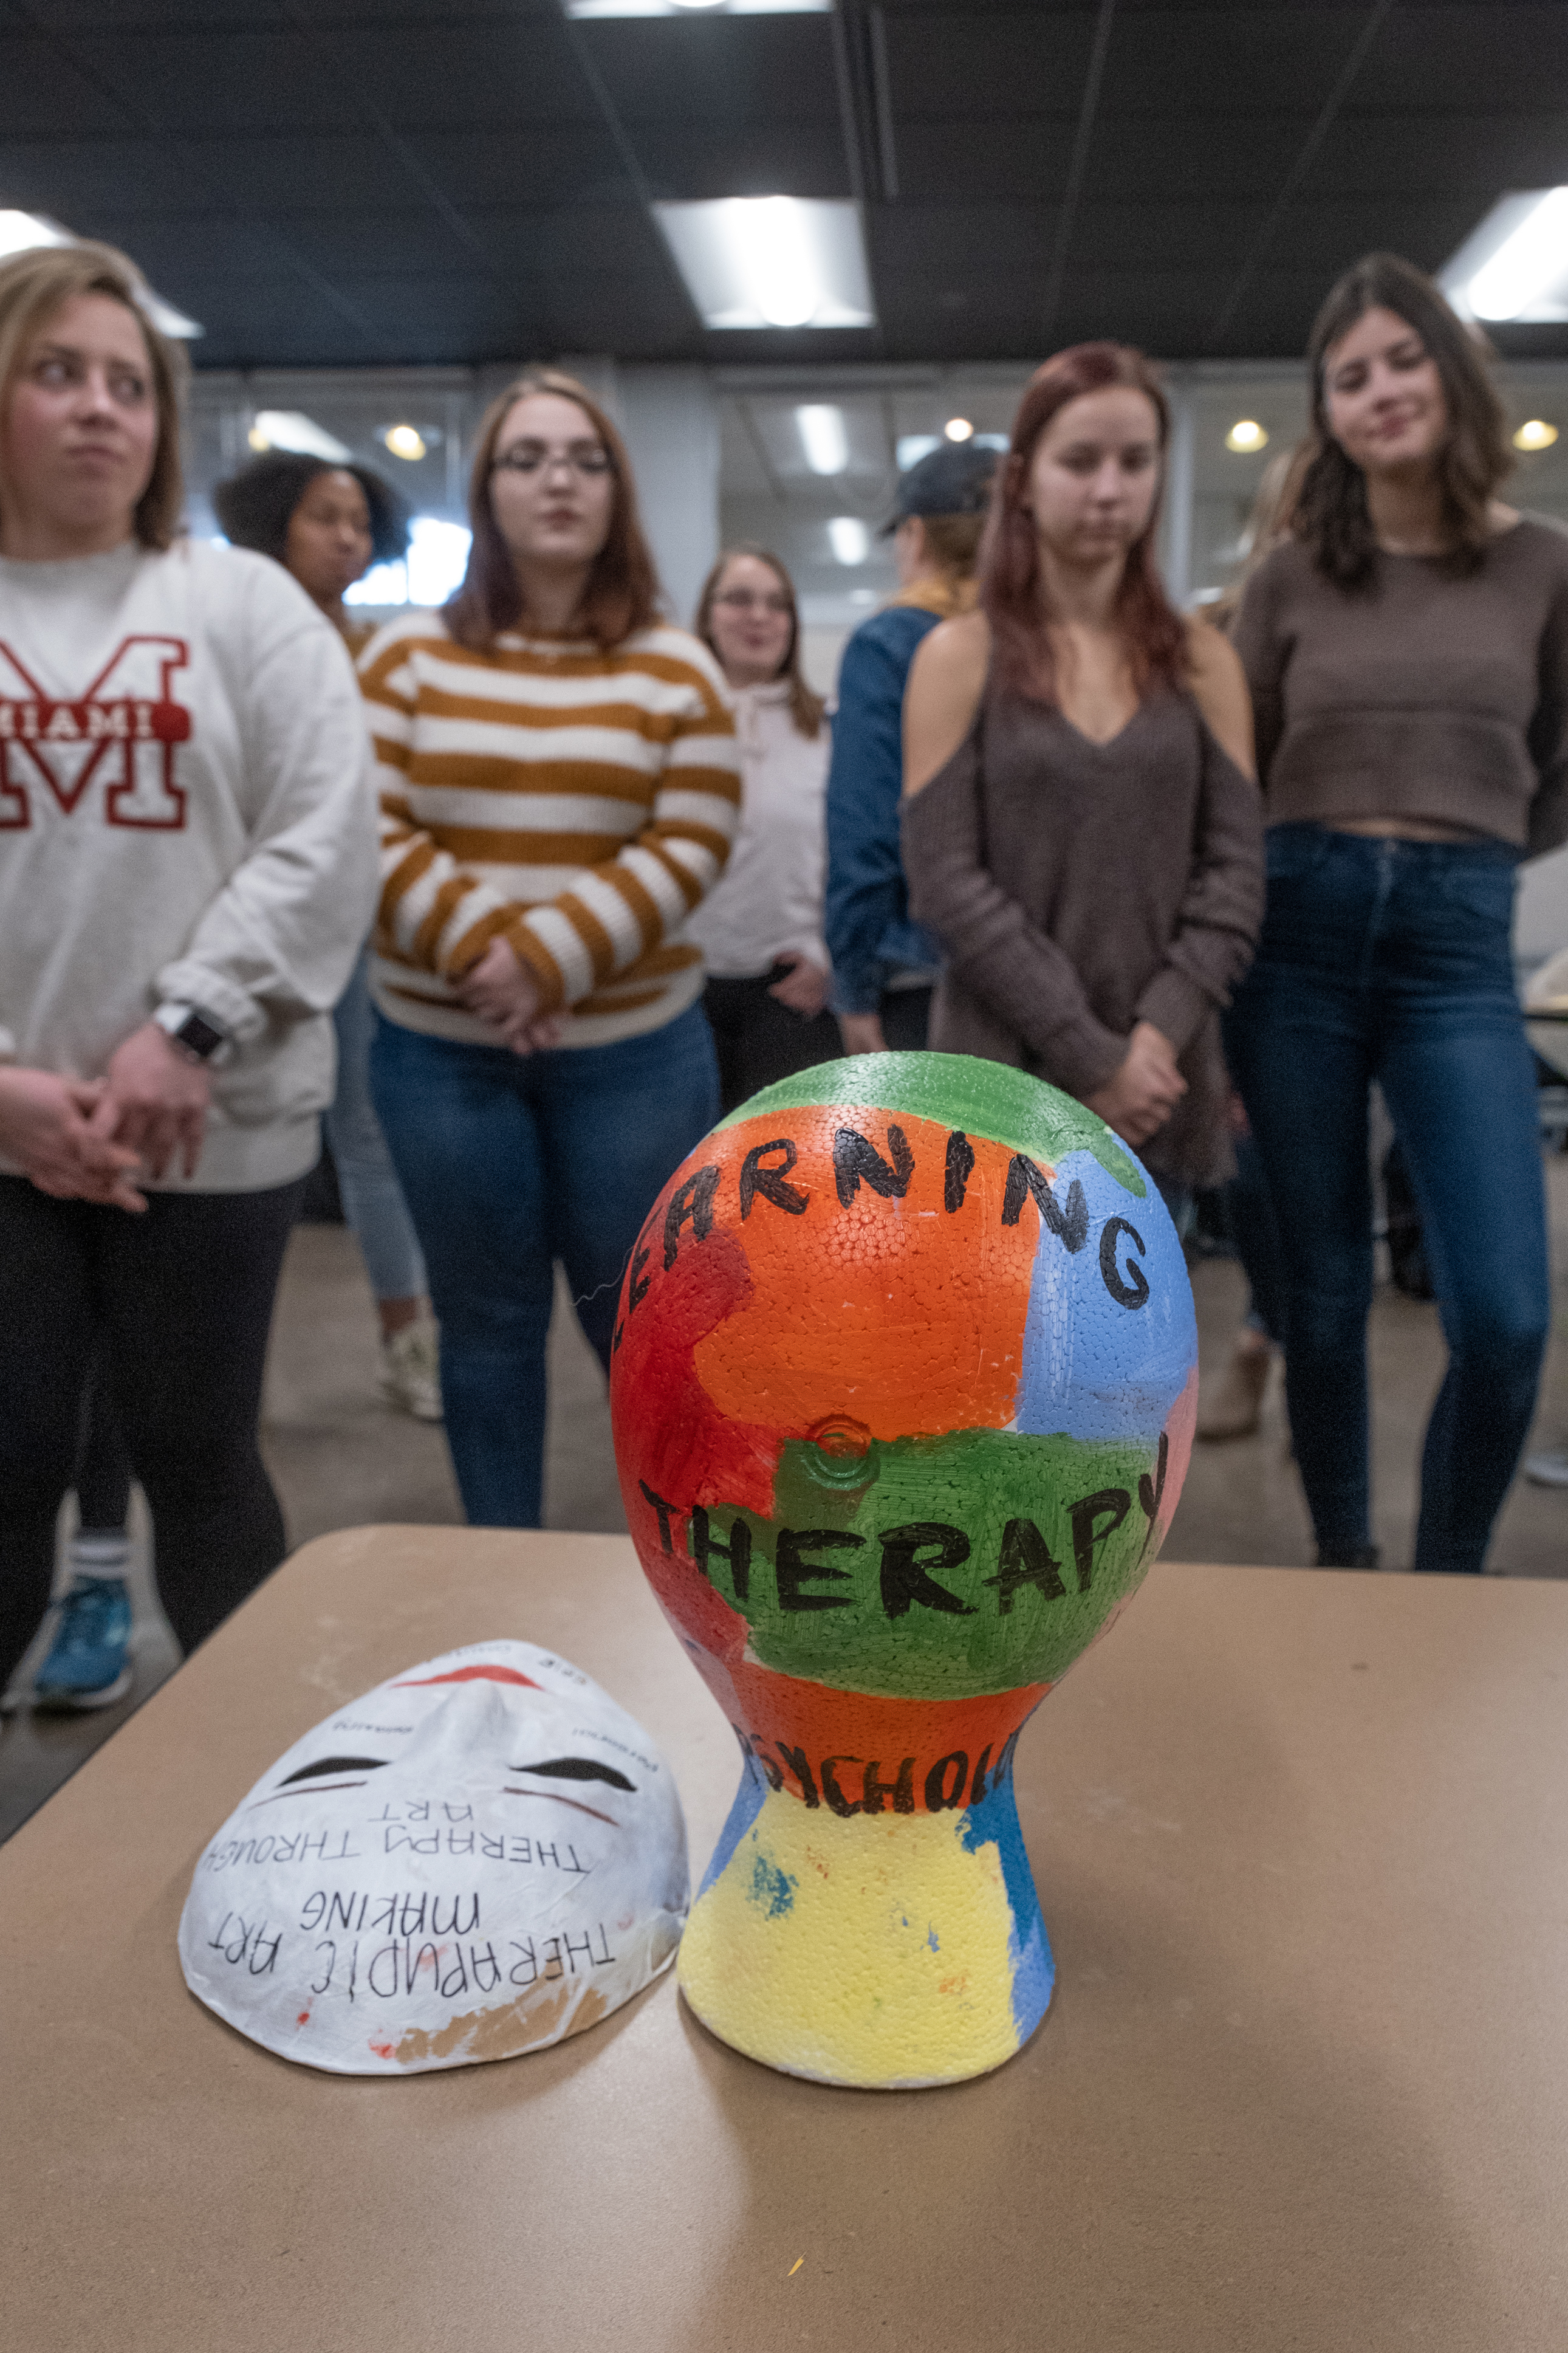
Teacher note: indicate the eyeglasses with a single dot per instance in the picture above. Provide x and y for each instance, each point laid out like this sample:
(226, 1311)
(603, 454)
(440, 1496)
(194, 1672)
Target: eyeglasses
(746, 600)
(586, 458)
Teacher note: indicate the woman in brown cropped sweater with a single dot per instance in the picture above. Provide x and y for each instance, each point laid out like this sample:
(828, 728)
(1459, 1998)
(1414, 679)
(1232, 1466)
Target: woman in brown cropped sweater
(1081, 829)
(1407, 652)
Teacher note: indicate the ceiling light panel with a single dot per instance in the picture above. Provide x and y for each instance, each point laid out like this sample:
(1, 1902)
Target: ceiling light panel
(850, 539)
(1515, 265)
(699, 8)
(813, 446)
(290, 429)
(26, 232)
(22, 232)
(752, 262)
(823, 437)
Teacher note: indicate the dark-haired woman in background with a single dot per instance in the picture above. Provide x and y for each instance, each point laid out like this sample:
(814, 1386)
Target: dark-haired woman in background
(1407, 652)
(560, 785)
(1083, 831)
(760, 929)
(327, 524)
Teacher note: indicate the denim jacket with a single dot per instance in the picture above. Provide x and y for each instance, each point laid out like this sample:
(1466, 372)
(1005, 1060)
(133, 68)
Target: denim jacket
(870, 935)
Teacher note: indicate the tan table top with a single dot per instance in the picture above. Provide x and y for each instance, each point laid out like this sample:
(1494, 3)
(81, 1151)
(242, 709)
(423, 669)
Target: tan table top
(1301, 1842)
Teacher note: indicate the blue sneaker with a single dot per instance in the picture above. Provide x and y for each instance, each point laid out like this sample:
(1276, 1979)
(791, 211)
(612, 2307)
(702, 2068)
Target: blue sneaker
(87, 1665)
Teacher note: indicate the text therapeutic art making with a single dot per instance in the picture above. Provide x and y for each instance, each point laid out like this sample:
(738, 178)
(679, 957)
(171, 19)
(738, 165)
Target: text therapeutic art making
(479, 1857)
(904, 1391)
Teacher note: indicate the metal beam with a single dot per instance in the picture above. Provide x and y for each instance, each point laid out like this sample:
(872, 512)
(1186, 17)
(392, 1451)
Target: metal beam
(1305, 156)
(1077, 168)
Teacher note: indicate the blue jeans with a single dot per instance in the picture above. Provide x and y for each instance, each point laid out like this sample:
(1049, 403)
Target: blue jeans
(509, 1162)
(373, 1198)
(1390, 960)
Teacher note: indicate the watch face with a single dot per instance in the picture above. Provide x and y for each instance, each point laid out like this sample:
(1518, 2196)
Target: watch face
(199, 1036)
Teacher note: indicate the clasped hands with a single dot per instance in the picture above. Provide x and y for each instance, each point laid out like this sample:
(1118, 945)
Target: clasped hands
(502, 991)
(1140, 1096)
(91, 1140)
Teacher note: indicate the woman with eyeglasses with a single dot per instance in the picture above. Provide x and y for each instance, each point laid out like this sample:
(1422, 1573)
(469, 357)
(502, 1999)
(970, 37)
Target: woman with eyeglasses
(560, 784)
(760, 931)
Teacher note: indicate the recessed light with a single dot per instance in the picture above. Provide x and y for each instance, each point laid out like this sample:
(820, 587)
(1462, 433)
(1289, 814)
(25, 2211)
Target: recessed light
(959, 428)
(1245, 435)
(824, 438)
(771, 261)
(405, 441)
(850, 539)
(1536, 434)
(289, 428)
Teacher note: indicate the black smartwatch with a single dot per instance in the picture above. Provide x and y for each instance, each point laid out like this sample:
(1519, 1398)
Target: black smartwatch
(199, 1037)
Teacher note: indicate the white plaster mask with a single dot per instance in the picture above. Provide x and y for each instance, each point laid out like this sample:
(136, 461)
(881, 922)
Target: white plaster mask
(481, 1856)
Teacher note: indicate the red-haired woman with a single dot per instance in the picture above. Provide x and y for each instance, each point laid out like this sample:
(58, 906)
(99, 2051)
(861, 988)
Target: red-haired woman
(1082, 831)
(559, 788)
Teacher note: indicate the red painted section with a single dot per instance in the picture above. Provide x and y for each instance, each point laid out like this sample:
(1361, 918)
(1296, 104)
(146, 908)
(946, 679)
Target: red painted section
(471, 1675)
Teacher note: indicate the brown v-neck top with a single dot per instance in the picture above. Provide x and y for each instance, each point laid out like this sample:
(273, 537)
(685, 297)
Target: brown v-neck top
(1079, 888)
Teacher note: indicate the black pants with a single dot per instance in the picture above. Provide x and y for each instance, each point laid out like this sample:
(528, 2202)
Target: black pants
(759, 1040)
(177, 1304)
(102, 1474)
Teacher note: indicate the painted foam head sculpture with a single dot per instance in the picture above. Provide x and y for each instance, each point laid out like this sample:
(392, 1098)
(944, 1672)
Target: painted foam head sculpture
(903, 1389)
(480, 1857)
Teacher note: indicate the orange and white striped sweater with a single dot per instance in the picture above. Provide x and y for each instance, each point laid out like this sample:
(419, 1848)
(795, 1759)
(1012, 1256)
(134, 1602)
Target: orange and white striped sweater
(574, 801)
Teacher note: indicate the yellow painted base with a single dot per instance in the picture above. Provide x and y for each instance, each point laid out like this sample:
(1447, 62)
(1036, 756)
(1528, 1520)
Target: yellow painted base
(872, 1951)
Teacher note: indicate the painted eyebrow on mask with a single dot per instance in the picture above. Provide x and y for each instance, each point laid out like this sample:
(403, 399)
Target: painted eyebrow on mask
(578, 1768)
(334, 1765)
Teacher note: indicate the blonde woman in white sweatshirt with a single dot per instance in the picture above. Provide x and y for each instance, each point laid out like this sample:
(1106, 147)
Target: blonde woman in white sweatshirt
(760, 928)
(186, 869)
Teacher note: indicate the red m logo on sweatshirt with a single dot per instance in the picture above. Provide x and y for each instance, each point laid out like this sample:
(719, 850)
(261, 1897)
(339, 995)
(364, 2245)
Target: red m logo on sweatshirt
(125, 726)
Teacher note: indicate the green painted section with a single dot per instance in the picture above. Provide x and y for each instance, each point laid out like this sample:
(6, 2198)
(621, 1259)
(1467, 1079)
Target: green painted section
(975, 1480)
(985, 1099)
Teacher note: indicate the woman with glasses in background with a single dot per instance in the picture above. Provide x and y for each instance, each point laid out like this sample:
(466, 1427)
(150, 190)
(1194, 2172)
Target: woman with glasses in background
(560, 784)
(327, 524)
(760, 930)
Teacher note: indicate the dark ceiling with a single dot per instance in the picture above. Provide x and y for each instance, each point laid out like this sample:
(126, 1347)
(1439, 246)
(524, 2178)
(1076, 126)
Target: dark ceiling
(353, 182)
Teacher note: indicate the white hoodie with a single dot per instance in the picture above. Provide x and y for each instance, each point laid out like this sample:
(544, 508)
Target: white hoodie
(186, 818)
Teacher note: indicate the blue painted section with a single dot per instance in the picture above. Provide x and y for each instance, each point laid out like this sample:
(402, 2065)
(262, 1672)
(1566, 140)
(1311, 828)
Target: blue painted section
(1092, 1368)
(994, 1822)
(747, 1805)
(772, 1889)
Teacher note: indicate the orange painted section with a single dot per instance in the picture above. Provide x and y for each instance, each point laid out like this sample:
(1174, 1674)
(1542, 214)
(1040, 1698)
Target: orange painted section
(814, 1339)
(782, 1717)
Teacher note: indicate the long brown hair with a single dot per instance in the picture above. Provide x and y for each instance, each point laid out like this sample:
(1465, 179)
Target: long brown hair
(33, 287)
(805, 708)
(1331, 518)
(1010, 556)
(622, 596)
